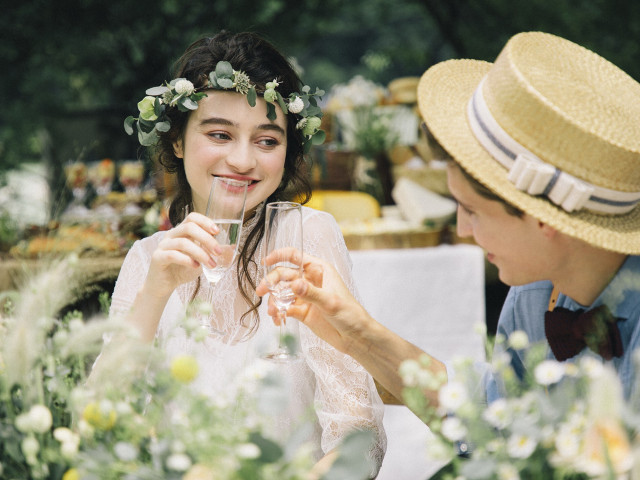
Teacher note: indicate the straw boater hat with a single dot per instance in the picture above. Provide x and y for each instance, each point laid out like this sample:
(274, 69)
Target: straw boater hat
(550, 127)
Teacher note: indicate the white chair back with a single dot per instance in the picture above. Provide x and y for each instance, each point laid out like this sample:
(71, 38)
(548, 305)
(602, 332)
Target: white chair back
(434, 297)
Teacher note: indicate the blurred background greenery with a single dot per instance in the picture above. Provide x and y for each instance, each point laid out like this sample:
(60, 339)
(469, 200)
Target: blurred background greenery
(74, 69)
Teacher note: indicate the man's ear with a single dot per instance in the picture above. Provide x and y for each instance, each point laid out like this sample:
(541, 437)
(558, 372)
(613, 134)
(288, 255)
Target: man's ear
(177, 148)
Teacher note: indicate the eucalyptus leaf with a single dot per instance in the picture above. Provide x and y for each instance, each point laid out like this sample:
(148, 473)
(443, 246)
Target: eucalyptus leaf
(283, 105)
(190, 104)
(252, 96)
(225, 82)
(313, 111)
(163, 126)
(213, 79)
(319, 137)
(224, 69)
(158, 107)
(270, 451)
(306, 89)
(155, 91)
(271, 111)
(147, 139)
(128, 125)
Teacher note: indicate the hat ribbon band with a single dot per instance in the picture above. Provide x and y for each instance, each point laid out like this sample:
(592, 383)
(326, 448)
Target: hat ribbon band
(532, 175)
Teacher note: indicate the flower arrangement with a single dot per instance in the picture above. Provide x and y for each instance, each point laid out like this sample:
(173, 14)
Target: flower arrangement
(71, 408)
(182, 94)
(565, 421)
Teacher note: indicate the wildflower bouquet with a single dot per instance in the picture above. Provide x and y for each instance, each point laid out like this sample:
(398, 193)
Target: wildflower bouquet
(73, 407)
(564, 421)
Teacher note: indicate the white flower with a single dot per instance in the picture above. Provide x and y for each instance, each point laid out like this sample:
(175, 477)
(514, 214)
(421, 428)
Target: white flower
(184, 86)
(296, 105)
(520, 446)
(178, 462)
(518, 340)
(41, 418)
(126, 451)
(567, 442)
(30, 447)
(548, 372)
(591, 366)
(248, 450)
(507, 471)
(63, 434)
(409, 370)
(453, 429)
(452, 396)
(498, 414)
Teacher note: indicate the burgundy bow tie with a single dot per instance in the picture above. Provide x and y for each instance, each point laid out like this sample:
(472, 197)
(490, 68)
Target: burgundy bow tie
(569, 332)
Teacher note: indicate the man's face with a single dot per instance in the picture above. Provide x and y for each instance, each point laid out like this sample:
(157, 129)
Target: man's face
(516, 245)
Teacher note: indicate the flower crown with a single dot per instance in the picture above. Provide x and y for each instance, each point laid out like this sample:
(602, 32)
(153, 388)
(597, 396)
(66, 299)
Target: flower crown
(182, 94)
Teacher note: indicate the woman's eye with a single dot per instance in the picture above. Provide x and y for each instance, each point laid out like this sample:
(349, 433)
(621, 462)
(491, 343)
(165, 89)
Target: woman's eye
(269, 142)
(219, 135)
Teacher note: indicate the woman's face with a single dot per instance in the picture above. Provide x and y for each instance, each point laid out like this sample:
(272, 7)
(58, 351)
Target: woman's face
(226, 137)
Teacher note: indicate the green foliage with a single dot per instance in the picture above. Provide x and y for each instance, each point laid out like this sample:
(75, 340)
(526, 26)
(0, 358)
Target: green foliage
(67, 84)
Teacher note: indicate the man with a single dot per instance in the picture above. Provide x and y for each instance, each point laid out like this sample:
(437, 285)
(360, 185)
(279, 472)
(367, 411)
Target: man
(546, 171)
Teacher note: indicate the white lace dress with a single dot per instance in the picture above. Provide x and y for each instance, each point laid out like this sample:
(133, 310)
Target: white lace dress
(343, 393)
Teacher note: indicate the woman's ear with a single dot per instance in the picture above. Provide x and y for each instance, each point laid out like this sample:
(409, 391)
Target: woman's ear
(177, 148)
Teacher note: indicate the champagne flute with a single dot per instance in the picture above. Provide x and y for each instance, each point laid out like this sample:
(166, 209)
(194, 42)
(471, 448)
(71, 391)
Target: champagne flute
(283, 229)
(225, 207)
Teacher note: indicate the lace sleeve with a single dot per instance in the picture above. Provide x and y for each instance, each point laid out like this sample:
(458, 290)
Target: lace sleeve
(345, 393)
(132, 274)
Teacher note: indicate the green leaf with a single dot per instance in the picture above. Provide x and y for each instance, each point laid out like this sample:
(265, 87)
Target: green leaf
(252, 96)
(213, 79)
(190, 104)
(128, 125)
(163, 126)
(270, 451)
(319, 137)
(155, 91)
(283, 105)
(147, 139)
(306, 89)
(225, 82)
(319, 92)
(158, 107)
(271, 111)
(306, 147)
(313, 111)
(352, 462)
(224, 70)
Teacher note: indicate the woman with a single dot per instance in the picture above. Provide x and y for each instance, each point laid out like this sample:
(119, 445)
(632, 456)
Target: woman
(224, 135)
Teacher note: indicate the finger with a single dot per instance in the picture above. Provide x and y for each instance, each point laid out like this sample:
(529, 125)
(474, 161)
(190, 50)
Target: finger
(287, 254)
(202, 235)
(189, 248)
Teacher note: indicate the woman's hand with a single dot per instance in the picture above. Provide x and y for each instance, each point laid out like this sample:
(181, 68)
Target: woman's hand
(178, 257)
(323, 302)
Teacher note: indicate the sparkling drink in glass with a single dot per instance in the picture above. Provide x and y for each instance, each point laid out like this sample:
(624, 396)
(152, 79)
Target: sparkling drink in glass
(283, 229)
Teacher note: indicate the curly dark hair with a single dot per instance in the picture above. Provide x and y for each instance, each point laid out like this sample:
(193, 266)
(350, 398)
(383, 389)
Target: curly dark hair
(263, 63)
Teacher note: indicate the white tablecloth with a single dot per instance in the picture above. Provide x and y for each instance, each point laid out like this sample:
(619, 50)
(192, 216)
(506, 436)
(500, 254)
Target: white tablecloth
(433, 297)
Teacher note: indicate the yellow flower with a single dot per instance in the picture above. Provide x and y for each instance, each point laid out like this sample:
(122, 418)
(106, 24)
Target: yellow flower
(98, 418)
(184, 368)
(71, 474)
(199, 472)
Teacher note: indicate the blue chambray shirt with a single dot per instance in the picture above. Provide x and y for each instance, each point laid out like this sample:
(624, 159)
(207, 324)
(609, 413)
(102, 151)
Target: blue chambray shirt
(524, 310)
